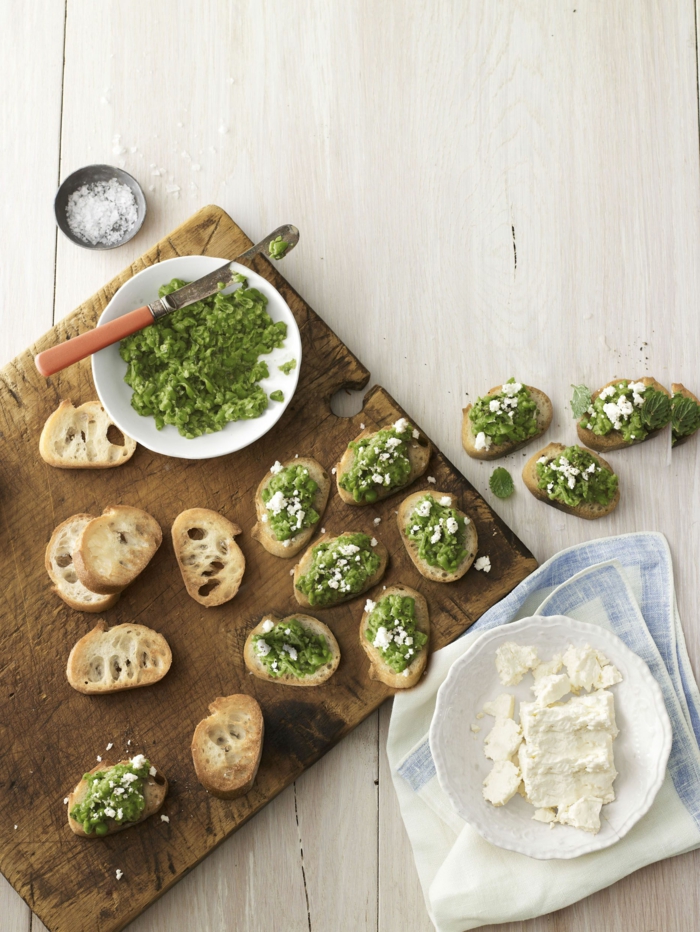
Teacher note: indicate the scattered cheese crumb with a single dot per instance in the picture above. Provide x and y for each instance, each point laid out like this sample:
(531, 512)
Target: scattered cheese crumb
(323, 530)
(432, 480)
(98, 758)
(109, 746)
(475, 728)
(119, 874)
(483, 563)
(333, 471)
(65, 801)
(377, 521)
(362, 426)
(276, 467)
(374, 542)
(153, 771)
(165, 818)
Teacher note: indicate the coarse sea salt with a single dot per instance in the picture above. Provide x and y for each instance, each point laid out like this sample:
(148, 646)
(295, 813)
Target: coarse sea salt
(102, 213)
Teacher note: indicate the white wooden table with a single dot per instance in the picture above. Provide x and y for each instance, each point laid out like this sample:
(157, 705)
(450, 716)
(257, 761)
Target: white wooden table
(484, 189)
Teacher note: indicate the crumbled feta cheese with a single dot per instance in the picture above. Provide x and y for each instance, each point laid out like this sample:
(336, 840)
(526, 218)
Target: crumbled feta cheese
(120, 814)
(423, 508)
(291, 651)
(511, 388)
(263, 518)
(452, 525)
(370, 605)
(513, 662)
(545, 815)
(138, 761)
(483, 564)
(333, 583)
(494, 405)
(416, 434)
(333, 471)
(503, 740)
(109, 812)
(482, 442)
(165, 818)
(373, 542)
(502, 783)
(382, 639)
(109, 746)
(446, 501)
(99, 759)
(549, 689)
(502, 706)
(152, 771)
(276, 503)
(432, 480)
(400, 425)
(377, 521)
(65, 801)
(475, 728)
(406, 672)
(276, 467)
(267, 626)
(436, 535)
(119, 874)
(348, 550)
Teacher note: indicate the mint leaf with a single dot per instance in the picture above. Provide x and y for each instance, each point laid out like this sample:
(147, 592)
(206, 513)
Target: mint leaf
(656, 410)
(685, 416)
(581, 400)
(501, 483)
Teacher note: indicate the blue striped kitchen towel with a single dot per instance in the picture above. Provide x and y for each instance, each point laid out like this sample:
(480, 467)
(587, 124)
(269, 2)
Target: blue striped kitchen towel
(624, 583)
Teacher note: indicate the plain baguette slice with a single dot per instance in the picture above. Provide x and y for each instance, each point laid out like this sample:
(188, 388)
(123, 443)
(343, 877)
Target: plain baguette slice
(588, 510)
(258, 668)
(262, 531)
(495, 451)
(679, 388)
(113, 549)
(379, 668)
(211, 562)
(59, 566)
(614, 440)
(155, 789)
(79, 438)
(304, 565)
(419, 452)
(108, 660)
(436, 573)
(227, 746)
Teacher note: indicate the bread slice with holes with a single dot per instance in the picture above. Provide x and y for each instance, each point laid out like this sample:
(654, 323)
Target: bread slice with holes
(588, 510)
(677, 388)
(113, 549)
(303, 566)
(211, 562)
(59, 566)
(497, 450)
(84, 438)
(155, 789)
(419, 452)
(227, 746)
(379, 668)
(309, 623)
(614, 440)
(262, 531)
(108, 660)
(471, 538)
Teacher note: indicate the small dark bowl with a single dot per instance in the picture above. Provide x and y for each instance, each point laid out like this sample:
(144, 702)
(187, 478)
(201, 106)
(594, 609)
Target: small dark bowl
(88, 175)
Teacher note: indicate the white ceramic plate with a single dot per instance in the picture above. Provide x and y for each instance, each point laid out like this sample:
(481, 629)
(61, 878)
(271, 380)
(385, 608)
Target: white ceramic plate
(641, 749)
(108, 368)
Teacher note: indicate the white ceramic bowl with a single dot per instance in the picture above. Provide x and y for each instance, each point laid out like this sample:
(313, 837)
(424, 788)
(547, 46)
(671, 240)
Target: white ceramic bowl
(641, 749)
(109, 369)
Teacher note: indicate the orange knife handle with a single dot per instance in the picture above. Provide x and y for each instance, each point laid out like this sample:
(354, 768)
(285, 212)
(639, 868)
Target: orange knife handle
(65, 354)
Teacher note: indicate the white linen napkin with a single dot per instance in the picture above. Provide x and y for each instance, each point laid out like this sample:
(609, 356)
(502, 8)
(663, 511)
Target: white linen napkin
(622, 583)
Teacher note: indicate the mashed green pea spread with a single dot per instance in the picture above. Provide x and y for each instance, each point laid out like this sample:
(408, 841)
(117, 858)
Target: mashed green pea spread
(289, 647)
(381, 462)
(574, 476)
(391, 628)
(632, 408)
(277, 396)
(339, 569)
(287, 367)
(509, 416)
(438, 530)
(288, 499)
(685, 417)
(115, 793)
(199, 367)
(278, 247)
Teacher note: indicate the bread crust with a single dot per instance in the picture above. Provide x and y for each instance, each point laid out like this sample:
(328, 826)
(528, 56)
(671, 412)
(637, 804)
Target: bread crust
(589, 511)
(678, 387)
(613, 441)
(58, 560)
(155, 789)
(379, 669)
(227, 746)
(419, 453)
(304, 564)
(262, 531)
(212, 566)
(496, 451)
(109, 660)
(436, 573)
(99, 562)
(258, 668)
(77, 438)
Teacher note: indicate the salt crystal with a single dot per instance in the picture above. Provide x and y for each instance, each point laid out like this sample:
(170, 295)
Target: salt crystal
(102, 212)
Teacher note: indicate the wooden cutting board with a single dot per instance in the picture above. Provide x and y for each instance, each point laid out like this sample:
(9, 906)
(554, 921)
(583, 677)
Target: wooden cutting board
(51, 734)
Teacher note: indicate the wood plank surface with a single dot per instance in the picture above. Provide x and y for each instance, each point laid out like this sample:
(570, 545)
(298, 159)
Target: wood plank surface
(41, 713)
(422, 149)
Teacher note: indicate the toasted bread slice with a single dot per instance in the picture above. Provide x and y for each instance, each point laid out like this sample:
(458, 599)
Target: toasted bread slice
(107, 660)
(436, 573)
(419, 452)
(679, 388)
(379, 669)
(614, 440)
(59, 566)
(588, 510)
(262, 531)
(84, 438)
(155, 789)
(113, 549)
(495, 451)
(303, 566)
(227, 746)
(258, 668)
(211, 562)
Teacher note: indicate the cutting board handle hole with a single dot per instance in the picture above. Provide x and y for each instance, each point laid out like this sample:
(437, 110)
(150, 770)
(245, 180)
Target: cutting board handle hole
(347, 402)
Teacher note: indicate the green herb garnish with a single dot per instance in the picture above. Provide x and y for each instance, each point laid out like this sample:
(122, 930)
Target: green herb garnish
(199, 367)
(277, 396)
(391, 628)
(580, 401)
(685, 417)
(289, 647)
(278, 247)
(287, 367)
(501, 483)
(656, 410)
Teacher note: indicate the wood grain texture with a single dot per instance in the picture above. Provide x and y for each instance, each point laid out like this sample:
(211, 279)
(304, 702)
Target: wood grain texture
(50, 750)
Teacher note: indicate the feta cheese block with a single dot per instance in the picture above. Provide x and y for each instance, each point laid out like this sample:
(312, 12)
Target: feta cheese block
(545, 815)
(514, 661)
(585, 666)
(583, 814)
(548, 667)
(548, 689)
(593, 711)
(503, 706)
(502, 783)
(503, 740)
